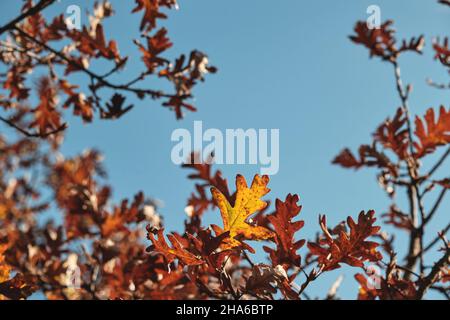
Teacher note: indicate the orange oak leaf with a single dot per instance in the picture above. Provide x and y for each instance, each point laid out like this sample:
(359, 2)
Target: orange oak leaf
(351, 248)
(369, 156)
(398, 219)
(122, 216)
(432, 132)
(346, 159)
(177, 250)
(208, 247)
(235, 218)
(285, 253)
(47, 117)
(155, 45)
(381, 41)
(151, 12)
(393, 134)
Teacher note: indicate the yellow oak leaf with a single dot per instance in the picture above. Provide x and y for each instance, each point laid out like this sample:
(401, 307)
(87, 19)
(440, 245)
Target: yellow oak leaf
(236, 219)
(4, 267)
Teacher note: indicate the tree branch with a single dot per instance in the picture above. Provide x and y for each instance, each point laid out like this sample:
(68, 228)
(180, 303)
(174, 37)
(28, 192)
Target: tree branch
(415, 198)
(32, 11)
(434, 274)
(100, 79)
(30, 134)
(439, 163)
(436, 206)
(432, 243)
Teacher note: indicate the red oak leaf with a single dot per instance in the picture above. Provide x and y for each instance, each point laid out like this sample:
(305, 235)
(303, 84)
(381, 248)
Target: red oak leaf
(285, 253)
(369, 156)
(432, 132)
(178, 249)
(393, 134)
(351, 248)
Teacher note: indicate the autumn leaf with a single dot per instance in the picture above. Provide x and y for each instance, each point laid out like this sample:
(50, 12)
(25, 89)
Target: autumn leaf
(393, 134)
(346, 159)
(377, 287)
(398, 219)
(177, 250)
(369, 156)
(184, 75)
(381, 41)
(93, 43)
(47, 117)
(115, 108)
(208, 247)
(155, 45)
(351, 248)
(286, 251)
(235, 218)
(122, 216)
(262, 281)
(14, 82)
(432, 132)
(151, 12)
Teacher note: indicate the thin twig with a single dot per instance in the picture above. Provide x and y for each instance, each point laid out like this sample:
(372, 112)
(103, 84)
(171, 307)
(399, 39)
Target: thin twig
(436, 85)
(32, 11)
(439, 163)
(30, 134)
(436, 240)
(415, 198)
(435, 206)
(100, 79)
(434, 273)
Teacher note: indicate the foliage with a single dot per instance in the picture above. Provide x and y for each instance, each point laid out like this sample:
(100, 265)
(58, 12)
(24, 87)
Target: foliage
(106, 242)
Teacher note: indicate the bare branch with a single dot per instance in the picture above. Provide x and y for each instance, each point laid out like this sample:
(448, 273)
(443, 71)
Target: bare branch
(438, 85)
(435, 206)
(439, 163)
(436, 240)
(434, 274)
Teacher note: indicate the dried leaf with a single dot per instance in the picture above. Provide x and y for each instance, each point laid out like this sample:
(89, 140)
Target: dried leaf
(235, 218)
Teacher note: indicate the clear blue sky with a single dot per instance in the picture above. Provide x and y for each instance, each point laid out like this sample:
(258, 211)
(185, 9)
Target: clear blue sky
(286, 65)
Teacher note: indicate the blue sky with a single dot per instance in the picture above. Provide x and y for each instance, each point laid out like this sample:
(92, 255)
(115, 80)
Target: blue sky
(288, 66)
